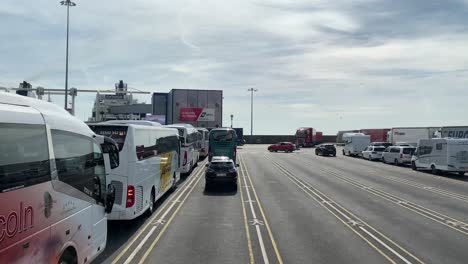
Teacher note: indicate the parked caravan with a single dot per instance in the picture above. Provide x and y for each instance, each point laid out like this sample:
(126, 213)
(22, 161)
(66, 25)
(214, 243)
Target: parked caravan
(441, 155)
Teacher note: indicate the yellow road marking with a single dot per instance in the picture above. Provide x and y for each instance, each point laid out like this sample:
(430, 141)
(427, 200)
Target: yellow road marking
(150, 221)
(273, 242)
(249, 241)
(148, 251)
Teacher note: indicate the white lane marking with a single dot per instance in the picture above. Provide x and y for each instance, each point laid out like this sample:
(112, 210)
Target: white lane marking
(137, 249)
(130, 258)
(385, 245)
(262, 246)
(259, 234)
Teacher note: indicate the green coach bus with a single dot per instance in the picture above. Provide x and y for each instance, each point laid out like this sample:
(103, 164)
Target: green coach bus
(222, 142)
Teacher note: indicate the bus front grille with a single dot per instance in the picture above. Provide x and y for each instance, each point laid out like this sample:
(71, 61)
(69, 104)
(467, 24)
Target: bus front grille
(118, 191)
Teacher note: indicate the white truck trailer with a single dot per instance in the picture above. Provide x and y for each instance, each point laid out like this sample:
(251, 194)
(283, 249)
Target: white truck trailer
(410, 135)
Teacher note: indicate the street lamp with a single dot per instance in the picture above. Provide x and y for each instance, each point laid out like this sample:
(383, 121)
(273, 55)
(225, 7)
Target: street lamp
(232, 117)
(251, 90)
(69, 4)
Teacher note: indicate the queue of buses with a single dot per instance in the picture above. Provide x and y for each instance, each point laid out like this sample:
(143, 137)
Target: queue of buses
(61, 180)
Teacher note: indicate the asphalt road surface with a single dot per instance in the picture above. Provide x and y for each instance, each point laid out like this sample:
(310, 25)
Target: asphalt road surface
(302, 208)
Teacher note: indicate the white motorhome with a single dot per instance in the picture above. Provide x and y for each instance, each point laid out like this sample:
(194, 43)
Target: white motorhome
(53, 190)
(355, 143)
(441, 155)
(149, 165)
(189, 154)
(204, 141)
(410, 135)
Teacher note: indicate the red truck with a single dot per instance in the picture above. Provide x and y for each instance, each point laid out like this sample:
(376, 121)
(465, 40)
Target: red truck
(308, 137)
(376, 134)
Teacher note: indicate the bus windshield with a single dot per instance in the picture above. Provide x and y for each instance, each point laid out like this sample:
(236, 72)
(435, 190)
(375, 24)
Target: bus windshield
(117, 133)
(222, 135)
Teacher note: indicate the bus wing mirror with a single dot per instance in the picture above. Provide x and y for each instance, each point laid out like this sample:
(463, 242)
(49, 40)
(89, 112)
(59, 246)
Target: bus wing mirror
(110, 198)
(110, 147)
(97, 189)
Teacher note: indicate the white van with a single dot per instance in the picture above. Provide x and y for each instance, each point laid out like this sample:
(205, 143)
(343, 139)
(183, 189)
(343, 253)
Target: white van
(204, 141)
(149, 163)
(53, 190)
(398, 155)
(441, 155)
(355, 143)
(189, 154)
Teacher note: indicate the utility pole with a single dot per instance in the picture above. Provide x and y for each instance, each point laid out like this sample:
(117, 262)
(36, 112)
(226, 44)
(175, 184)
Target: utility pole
(232, 117)
(69, 4)
(251, 90)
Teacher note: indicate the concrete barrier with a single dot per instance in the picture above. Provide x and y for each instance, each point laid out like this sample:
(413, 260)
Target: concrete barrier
(272, 139)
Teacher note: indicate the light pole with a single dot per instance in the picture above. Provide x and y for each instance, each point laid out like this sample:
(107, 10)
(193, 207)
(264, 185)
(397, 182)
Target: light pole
(69, 4)
(251, 90)
(232, 117)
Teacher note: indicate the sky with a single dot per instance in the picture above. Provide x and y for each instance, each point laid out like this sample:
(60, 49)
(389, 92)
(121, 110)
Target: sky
(331, 65)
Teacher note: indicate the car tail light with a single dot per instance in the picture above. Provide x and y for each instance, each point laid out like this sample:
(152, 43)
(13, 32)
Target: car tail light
(185, 158)
(130, 196)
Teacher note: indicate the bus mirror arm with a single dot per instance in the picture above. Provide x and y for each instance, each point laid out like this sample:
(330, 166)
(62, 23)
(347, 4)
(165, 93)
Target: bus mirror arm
(110, 198)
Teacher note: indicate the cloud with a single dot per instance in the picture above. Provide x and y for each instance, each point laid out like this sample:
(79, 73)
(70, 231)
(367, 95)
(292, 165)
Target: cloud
(330, 64)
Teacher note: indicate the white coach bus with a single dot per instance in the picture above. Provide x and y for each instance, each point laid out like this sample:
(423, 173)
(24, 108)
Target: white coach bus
(149, 163)
(53, 190)
(189, 149)
(204, 141)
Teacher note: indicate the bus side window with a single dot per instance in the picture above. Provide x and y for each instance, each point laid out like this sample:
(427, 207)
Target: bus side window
(75, 160)
(24, 157)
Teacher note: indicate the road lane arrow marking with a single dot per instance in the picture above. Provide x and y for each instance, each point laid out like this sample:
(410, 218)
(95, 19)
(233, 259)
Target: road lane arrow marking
(255, 222)
(159, 222)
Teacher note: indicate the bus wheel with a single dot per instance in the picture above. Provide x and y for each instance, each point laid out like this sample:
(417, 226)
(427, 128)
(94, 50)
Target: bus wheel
(68, 257)
(174, 183)
(151, 205)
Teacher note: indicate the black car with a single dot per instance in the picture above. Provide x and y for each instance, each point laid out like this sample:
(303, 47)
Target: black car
(221, 169)
(325, 150)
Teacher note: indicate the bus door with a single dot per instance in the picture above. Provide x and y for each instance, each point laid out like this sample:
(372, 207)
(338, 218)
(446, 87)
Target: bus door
(24, 188)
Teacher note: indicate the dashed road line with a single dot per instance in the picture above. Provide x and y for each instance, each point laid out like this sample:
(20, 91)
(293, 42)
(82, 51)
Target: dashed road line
(419, 209)
(260, 207)
(389, 249)
(198, 176)
(154, 222)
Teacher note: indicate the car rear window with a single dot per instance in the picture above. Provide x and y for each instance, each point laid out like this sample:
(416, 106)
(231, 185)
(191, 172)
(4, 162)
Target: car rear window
(221, 165)
(408, 150)
(379, 149)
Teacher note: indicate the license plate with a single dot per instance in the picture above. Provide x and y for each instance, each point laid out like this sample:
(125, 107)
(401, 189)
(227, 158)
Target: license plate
(221, 174)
